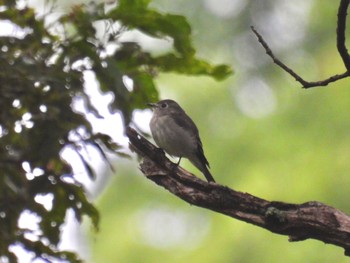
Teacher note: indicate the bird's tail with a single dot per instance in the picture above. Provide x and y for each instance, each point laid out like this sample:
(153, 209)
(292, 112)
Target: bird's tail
(202, 164)
(207, 174)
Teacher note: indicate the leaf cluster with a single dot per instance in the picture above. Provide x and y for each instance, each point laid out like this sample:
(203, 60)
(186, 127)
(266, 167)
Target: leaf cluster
(41, 74)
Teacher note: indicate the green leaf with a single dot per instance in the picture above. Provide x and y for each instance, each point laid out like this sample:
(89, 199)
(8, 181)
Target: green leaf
(190, 66)
(89, 170)
(49, 253)
(220, 72)
(133, 4)
(144, 89)
(42, 73)
(157, 25)
(81, 205)
(107, 141)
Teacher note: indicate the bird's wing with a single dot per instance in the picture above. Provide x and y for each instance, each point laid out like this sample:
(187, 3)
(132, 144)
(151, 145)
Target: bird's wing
(188, 124)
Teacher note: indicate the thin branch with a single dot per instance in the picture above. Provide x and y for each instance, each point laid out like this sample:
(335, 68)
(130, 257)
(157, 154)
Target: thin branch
(341, 27)
(304, 83)
(298, 221)
(341, 45)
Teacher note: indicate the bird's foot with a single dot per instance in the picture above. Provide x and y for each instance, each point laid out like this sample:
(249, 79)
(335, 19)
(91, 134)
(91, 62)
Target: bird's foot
(159, 153)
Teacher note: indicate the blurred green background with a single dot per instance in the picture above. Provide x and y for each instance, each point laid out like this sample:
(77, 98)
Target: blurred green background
(261, 133)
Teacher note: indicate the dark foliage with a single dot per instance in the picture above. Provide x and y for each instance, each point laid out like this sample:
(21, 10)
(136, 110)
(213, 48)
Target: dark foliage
(41, 73)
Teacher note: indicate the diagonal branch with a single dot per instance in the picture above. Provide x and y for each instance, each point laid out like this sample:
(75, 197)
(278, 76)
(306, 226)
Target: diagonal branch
(276, 60)
(298, 221)
(341, 45)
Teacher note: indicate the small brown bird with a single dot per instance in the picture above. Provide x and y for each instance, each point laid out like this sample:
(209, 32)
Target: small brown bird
(175, 132)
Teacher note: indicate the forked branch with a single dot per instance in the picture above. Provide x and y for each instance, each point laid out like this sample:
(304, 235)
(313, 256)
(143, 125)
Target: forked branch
(341, 28)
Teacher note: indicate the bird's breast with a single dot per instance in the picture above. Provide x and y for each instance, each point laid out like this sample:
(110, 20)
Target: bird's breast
(171, 137)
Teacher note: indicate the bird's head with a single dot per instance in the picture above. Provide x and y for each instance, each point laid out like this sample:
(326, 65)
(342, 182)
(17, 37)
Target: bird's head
(165, 107)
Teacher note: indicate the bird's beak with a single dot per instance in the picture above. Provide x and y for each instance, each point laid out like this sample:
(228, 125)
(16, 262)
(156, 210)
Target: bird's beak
(152, 105)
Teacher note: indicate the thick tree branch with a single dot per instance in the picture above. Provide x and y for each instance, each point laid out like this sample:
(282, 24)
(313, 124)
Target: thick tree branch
(298, 221)
(341, 45)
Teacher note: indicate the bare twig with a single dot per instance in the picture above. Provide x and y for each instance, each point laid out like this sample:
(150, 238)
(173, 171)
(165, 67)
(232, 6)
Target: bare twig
(276, 60)
(341, 26)
(298, 221)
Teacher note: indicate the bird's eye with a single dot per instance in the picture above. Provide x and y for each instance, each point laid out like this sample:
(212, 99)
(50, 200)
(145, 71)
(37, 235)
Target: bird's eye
(164, 105)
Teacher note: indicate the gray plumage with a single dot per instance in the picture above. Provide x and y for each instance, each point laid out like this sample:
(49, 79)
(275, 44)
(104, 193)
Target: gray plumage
(175, 132)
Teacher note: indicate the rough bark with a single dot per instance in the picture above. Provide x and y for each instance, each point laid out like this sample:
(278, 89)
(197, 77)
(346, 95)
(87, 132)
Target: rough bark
(313, 219)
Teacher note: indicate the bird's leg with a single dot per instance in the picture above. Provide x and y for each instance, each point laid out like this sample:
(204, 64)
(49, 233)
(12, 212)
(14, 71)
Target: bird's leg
(175, 166)
(178, 162)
